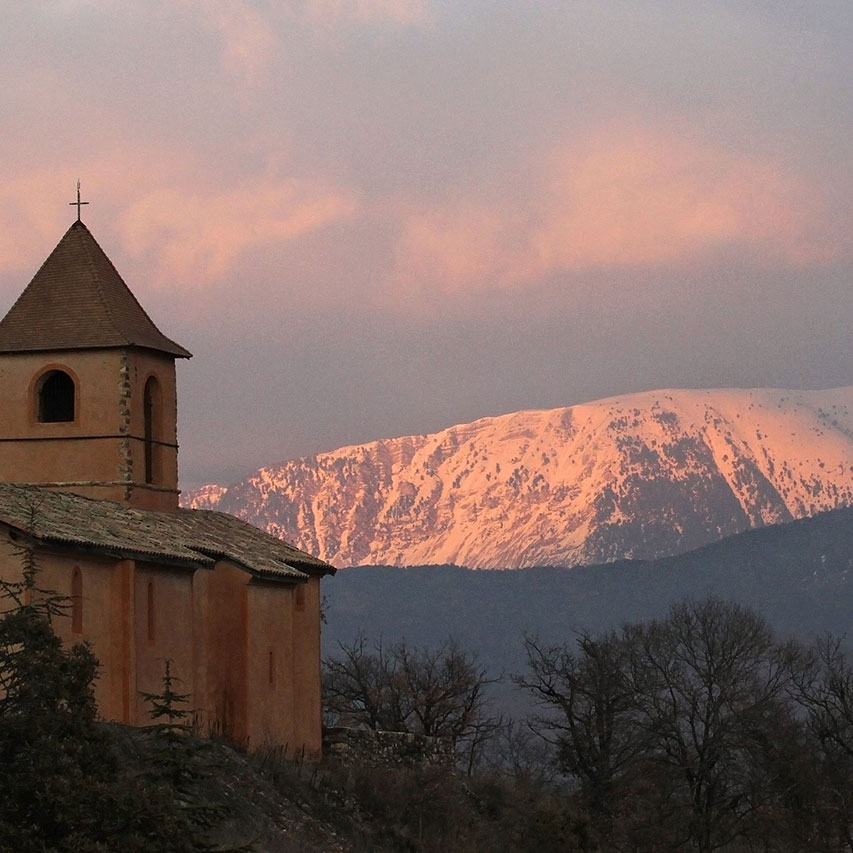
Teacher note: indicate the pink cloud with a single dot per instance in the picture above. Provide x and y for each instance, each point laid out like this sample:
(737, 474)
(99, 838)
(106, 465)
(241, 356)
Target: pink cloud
(395, 11)
(629, 197)
(34, 200)
(618, 198)
(197, 236)
(162, 209)
(251, 34)
(31, 218)
(647, 197)
(249, 40)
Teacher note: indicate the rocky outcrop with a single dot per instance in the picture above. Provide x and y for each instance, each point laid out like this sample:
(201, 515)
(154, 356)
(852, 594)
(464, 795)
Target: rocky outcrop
(370, 748)
(642, 475)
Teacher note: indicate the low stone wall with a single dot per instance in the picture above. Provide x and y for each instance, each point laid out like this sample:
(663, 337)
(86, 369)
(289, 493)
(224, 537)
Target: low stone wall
(387, 749)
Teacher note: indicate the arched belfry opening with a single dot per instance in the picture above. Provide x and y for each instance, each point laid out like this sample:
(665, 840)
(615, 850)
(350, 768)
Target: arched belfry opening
(55, 398)
(80, 407)
(89, 480)
(153, 408)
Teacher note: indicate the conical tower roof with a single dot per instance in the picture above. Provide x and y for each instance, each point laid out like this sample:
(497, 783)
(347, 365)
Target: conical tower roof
(77, 300)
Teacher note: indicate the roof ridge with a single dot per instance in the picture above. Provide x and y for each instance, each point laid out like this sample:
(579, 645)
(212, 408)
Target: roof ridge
(199, 536)
(79, 300)
(113, 267)
(97, 279)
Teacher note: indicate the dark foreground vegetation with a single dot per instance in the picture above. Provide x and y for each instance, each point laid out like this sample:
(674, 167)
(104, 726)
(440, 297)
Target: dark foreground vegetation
(70, 782)
(698, 730)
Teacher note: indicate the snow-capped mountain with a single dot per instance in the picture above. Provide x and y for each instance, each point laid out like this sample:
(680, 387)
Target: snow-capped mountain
(642, 475)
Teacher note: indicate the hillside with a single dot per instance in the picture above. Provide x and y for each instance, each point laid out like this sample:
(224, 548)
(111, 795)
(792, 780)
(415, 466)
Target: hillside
(638, 476)
(798, 575)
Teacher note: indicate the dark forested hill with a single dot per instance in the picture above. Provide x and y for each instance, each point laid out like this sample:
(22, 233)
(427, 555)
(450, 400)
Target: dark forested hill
(798, 575)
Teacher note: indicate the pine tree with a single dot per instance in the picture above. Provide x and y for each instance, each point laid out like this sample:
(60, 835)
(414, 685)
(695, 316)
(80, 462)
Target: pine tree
(180, 761)
(53, 754)
(63, 785)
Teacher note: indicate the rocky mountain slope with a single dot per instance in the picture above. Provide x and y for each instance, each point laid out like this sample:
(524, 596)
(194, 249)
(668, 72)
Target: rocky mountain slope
(641, 475)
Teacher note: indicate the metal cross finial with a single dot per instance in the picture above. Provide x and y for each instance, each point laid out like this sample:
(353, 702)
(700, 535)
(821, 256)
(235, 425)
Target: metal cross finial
(78, 202)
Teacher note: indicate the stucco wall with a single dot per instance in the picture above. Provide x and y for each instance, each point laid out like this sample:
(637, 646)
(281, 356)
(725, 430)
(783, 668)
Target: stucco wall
(101, 608)
(306, 669)
(170, 637)
(227, 652)
(269, 661)
(104, 442)
(264, 661)
(246, 651)
(142, 364)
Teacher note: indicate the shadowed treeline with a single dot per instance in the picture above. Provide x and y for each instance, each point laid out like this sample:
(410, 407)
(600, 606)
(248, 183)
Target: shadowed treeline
(798, 576)
(697, 731)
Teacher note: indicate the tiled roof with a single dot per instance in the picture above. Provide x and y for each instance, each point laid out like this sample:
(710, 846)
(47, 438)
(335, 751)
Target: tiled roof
(195, 538)
(77, 300)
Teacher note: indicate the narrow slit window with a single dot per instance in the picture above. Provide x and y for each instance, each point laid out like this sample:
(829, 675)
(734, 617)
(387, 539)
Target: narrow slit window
(151, 406)
(299, 596)
(56, 394)
(150, 611)
(77, 601)
(271, 668)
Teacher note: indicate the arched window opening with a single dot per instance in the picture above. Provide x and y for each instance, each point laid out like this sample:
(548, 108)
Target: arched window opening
(55, 398)
(150, 611)
(152, 407)
(300, 597)
(77, 601)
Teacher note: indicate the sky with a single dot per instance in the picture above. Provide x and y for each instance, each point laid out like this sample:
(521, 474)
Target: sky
(372, 218)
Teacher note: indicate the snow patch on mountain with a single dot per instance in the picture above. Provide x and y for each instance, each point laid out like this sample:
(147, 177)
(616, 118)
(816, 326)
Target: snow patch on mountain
(641, 475)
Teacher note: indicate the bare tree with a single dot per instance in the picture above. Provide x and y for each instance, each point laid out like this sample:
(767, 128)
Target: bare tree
(671, 728)
(444, 689)
(822, 685)
(824, 688)
(361, 687)
(519, 754)
(588, 713)
(434, 692)
(709, 688)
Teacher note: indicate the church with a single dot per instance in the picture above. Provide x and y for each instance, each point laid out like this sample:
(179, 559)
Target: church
(89, 485)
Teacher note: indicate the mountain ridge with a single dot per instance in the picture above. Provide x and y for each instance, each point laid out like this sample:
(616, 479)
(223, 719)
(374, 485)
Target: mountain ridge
(797, 575)
(640, 475)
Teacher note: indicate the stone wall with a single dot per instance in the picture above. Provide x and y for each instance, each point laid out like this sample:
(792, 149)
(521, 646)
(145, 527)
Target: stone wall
(387, 749)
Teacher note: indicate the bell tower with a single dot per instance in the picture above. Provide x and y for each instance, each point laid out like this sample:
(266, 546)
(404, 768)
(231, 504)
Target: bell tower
(88, 399)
